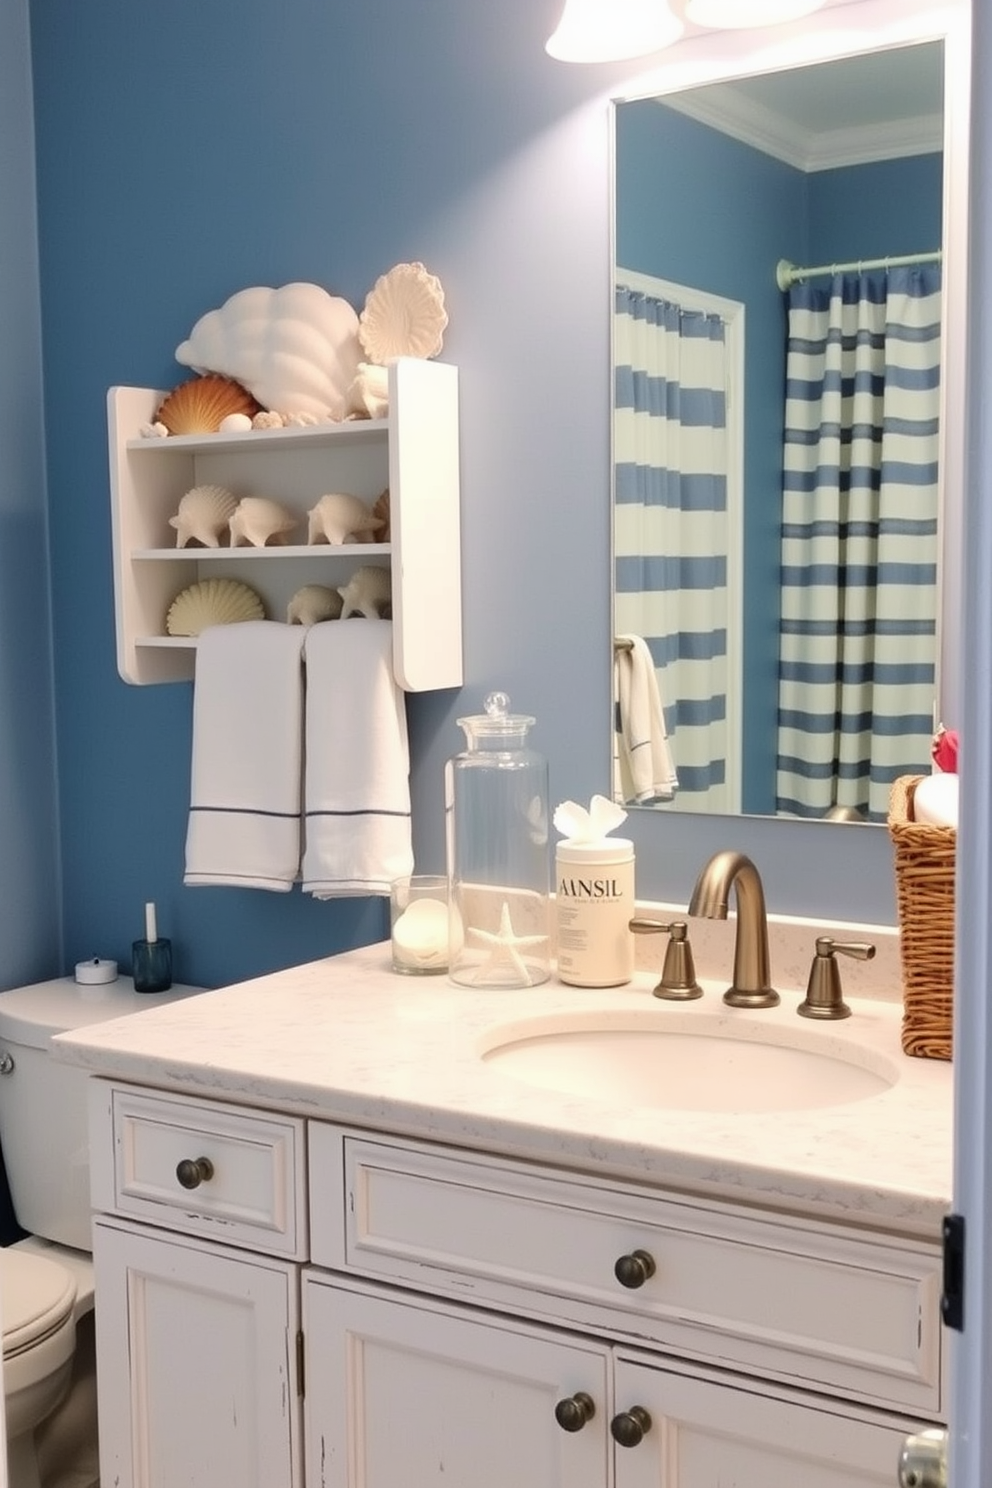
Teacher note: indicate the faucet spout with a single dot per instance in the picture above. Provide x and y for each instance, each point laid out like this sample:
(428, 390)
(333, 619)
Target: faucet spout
(751, 986)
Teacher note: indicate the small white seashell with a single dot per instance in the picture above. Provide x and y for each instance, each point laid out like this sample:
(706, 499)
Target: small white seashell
(153, 431)
(212, 602)
(234, 423)
(368, 396)
(203, 515)
(267, 420)
(404, 315)
(338, 517)
(368, 592)
(313, 603)
(303, 419)
(258, 520)
(295, 347)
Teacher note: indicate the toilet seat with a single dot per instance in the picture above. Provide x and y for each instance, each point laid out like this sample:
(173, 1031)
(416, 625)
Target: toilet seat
(36, 1300)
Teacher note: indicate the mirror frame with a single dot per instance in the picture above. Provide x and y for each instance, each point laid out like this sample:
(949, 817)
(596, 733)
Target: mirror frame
(826, 36)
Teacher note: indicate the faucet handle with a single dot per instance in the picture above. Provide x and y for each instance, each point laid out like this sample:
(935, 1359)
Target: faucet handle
(824, 994)
(678, 976)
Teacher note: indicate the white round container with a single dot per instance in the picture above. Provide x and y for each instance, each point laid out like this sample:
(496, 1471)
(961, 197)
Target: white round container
(594, 903)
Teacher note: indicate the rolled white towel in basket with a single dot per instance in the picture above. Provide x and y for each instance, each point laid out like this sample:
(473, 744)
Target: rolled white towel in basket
(244, 818)
(357, 773)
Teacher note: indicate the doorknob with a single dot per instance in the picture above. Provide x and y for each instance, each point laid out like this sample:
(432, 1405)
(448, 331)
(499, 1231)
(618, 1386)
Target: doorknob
(923, 1460)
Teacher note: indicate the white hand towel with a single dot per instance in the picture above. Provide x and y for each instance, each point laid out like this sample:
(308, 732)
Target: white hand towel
(357, 773)
(645, 758)
(244, 819)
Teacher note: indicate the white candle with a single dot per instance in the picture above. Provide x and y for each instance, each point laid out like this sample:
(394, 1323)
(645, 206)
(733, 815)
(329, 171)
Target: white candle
(151, 929)
(420, 935)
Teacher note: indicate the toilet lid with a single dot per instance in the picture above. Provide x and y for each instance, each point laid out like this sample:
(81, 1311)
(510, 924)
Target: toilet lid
(36, 1299)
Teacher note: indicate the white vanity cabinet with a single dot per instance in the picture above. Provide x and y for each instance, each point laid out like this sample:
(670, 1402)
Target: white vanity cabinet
(413, 452)
(451, 1317)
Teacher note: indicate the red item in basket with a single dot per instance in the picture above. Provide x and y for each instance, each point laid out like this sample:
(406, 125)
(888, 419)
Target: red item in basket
(945, 750)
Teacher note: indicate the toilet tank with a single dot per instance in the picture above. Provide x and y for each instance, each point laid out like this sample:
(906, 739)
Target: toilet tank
(43, 1104)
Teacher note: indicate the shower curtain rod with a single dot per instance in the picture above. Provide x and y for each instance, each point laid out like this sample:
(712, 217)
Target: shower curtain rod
(787, 274)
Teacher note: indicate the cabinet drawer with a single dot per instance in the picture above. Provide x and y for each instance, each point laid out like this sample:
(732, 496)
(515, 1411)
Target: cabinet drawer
(809, 1303)
(247, 1171)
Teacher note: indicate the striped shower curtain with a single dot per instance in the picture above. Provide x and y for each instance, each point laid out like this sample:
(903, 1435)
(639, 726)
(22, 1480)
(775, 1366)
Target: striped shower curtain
(857, 671)
(670, 523)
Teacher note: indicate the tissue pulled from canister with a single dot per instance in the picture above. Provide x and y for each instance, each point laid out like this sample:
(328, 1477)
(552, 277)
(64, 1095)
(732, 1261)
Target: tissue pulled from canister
(580, 825)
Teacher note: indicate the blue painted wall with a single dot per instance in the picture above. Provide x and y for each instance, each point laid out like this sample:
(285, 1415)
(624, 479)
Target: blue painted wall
(29, 871)
(187, 153)
(678, 184)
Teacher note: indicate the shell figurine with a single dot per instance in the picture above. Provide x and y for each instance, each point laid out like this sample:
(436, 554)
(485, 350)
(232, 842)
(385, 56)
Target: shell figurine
(295, 348)
(368, 396)
(203, 515)
(404, 315)
(368, 592)
(313, 603)
(201, 405)
(380, 508)
(212, 602)
(339, 517)
(258, 521)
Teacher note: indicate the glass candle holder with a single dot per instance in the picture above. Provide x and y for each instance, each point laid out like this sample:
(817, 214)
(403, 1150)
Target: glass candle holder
(151, 965)
(418, 913)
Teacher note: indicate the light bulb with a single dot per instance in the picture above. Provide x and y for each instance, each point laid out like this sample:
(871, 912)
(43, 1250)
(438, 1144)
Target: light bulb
(733, 14)
(612, 30)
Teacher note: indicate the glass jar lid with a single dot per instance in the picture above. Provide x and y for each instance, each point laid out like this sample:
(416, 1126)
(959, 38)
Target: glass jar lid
(497, 727)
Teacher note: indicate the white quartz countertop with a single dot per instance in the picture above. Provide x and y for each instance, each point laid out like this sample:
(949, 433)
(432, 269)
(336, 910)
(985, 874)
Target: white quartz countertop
(346, 1039)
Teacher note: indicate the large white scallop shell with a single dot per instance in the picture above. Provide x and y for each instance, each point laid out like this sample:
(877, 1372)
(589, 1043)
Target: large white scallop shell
(212, 602)
(338, 516)
(258, 520)
(404, 315)
(203, 515)
(295, 348)
(313, 603)
(368, 592)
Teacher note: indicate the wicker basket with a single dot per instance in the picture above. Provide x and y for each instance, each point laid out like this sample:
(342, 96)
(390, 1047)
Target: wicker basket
(924, 857)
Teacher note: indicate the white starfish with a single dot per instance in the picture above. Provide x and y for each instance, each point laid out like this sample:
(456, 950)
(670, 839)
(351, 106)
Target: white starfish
(505, 949)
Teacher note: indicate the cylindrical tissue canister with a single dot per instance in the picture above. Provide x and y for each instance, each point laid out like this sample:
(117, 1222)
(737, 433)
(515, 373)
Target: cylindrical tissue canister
(594, 903)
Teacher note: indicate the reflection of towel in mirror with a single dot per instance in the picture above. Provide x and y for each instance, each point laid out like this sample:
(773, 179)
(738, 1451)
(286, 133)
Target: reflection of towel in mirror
(644, 759)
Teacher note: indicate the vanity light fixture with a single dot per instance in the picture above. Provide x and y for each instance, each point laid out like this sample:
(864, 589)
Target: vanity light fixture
(612, 30)
(617, 30)
(739, 14)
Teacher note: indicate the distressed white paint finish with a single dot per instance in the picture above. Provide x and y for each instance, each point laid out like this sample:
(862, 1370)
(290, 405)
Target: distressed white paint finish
(196, 1364)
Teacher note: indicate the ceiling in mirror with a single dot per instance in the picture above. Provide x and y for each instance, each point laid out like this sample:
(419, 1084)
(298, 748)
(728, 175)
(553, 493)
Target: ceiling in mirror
(776, 481)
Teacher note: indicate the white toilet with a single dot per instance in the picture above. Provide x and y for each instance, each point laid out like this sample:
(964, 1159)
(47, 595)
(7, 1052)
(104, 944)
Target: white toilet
(46, 1281)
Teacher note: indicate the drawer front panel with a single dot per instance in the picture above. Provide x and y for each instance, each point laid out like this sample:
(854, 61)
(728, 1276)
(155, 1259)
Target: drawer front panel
(252, 1188)
(804, 1302)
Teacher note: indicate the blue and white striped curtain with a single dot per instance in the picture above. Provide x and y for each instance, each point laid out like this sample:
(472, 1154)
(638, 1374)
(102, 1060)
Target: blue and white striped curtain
(670, 524)
(857, 670)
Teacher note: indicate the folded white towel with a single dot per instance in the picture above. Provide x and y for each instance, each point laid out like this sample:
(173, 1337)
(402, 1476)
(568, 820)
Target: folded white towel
(357, 772)
(647, 770)
(244, 819)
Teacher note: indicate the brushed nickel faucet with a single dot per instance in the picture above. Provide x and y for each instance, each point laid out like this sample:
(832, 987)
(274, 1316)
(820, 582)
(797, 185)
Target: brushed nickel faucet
(751, 987)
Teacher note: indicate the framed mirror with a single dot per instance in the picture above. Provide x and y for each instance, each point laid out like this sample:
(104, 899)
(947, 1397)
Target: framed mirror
(781, 502)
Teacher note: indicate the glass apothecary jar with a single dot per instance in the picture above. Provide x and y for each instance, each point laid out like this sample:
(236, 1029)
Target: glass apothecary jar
(496, 820)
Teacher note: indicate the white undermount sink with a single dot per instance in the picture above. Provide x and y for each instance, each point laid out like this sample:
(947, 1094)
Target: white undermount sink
(687, 1061)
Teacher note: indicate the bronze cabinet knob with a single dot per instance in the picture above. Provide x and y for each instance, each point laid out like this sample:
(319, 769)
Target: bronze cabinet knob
(193, 1171)
(633, 1270)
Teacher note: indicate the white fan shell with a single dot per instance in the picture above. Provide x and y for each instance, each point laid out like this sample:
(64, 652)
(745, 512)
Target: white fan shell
(212, 602)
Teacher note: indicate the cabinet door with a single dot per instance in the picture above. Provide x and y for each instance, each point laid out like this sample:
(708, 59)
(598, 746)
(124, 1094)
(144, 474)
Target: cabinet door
(703, 1433)
(405, 1393)
(196, 1355)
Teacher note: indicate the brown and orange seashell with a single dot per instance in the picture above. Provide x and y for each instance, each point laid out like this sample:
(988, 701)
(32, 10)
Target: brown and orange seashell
(199, 405)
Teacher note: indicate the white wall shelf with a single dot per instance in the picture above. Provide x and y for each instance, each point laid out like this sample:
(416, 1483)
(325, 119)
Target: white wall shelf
(413, 452)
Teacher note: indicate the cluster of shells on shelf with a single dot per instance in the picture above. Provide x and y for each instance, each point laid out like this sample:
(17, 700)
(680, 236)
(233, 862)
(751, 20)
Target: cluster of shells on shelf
(208, 513)
(297, 356)
(220, 601)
